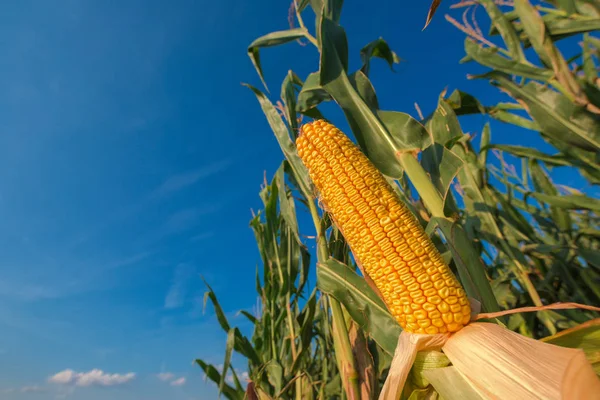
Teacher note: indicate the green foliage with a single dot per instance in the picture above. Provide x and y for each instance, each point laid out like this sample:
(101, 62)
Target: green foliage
(514, 236)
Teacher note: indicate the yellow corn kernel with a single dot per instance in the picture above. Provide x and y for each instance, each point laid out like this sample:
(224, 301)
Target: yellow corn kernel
(385, 237)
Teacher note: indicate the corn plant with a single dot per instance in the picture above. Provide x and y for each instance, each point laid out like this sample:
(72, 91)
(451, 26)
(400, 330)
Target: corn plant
(288, 353)
(512, 239)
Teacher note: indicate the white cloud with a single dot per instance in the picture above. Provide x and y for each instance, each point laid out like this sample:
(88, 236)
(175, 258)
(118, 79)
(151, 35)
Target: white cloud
(94, 377)
(165, 376)
(178, 382)
(179, 286)
(32, 389)
(171, 378)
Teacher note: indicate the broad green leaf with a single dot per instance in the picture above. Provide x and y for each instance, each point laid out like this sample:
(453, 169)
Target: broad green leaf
(333, 9)
(591, 256)
(556, 115)
(442, 165)
(426, 360)
(361, 83)
(543, 184)
(531, 153)
(490, 58)
(213, 374)
(505, 28)
(312, 93)
(450, 384)
(250, 317)
(565, 27)
(285, 142)
(464, 103)
(361, 302)
(241, 343)
(535, 29)
(476, 285)
(288, 95)
(443, 124)
(409, 133)
(569, 202)
(210, 294)
(377, 48)
(287, 208)
(306, 321)
(269, 40)
(275, 374)
(486, 137)
(503, 290)
(369, 131)
(228, 351)
(589, 67)
(514, 119)
(301, 4)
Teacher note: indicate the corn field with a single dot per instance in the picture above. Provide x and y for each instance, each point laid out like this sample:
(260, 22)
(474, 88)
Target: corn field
(510, 235)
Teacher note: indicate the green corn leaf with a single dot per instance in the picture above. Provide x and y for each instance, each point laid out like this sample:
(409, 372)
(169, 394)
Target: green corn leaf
(213, 374)
(361, 83)
(288, 95)
(556, 115)
(585, 336)
(228, 351)
(270, 40)
(568, 202)
(378, 48)
(450, 384)
(361, 302)
(312, 93)
(442, 165)
(275, 375)
(544, 185)
(531, 153)
(285, 142)
(491, 58)
(506, 30)
(514, 119)
(589, 67)
(486, 137)
(464, 103)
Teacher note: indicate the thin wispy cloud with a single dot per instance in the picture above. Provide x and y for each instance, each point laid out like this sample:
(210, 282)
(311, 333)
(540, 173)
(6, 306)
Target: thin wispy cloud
(66, 279)
(32, 389)
(171, 379)
(181, 181)
(202, 236)
(177, 292)
(186, 218)
(95, 377)
(178, 382)
(26, 389)
(165, 376)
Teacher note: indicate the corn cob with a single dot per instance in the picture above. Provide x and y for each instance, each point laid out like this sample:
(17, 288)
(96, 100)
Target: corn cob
(386, 239)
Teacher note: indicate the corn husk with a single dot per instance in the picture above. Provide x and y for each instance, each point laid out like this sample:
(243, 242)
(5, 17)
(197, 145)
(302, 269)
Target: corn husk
(404, 357)
(498, 364)
(450, 384)
(502, 364)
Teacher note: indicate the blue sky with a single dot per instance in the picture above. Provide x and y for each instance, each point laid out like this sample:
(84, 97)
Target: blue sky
(130, 157)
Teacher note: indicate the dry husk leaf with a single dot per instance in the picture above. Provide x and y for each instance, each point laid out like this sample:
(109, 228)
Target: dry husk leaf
(404, 357)
(500, 364)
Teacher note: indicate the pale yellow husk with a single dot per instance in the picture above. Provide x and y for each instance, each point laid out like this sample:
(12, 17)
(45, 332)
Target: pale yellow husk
(500, 364)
